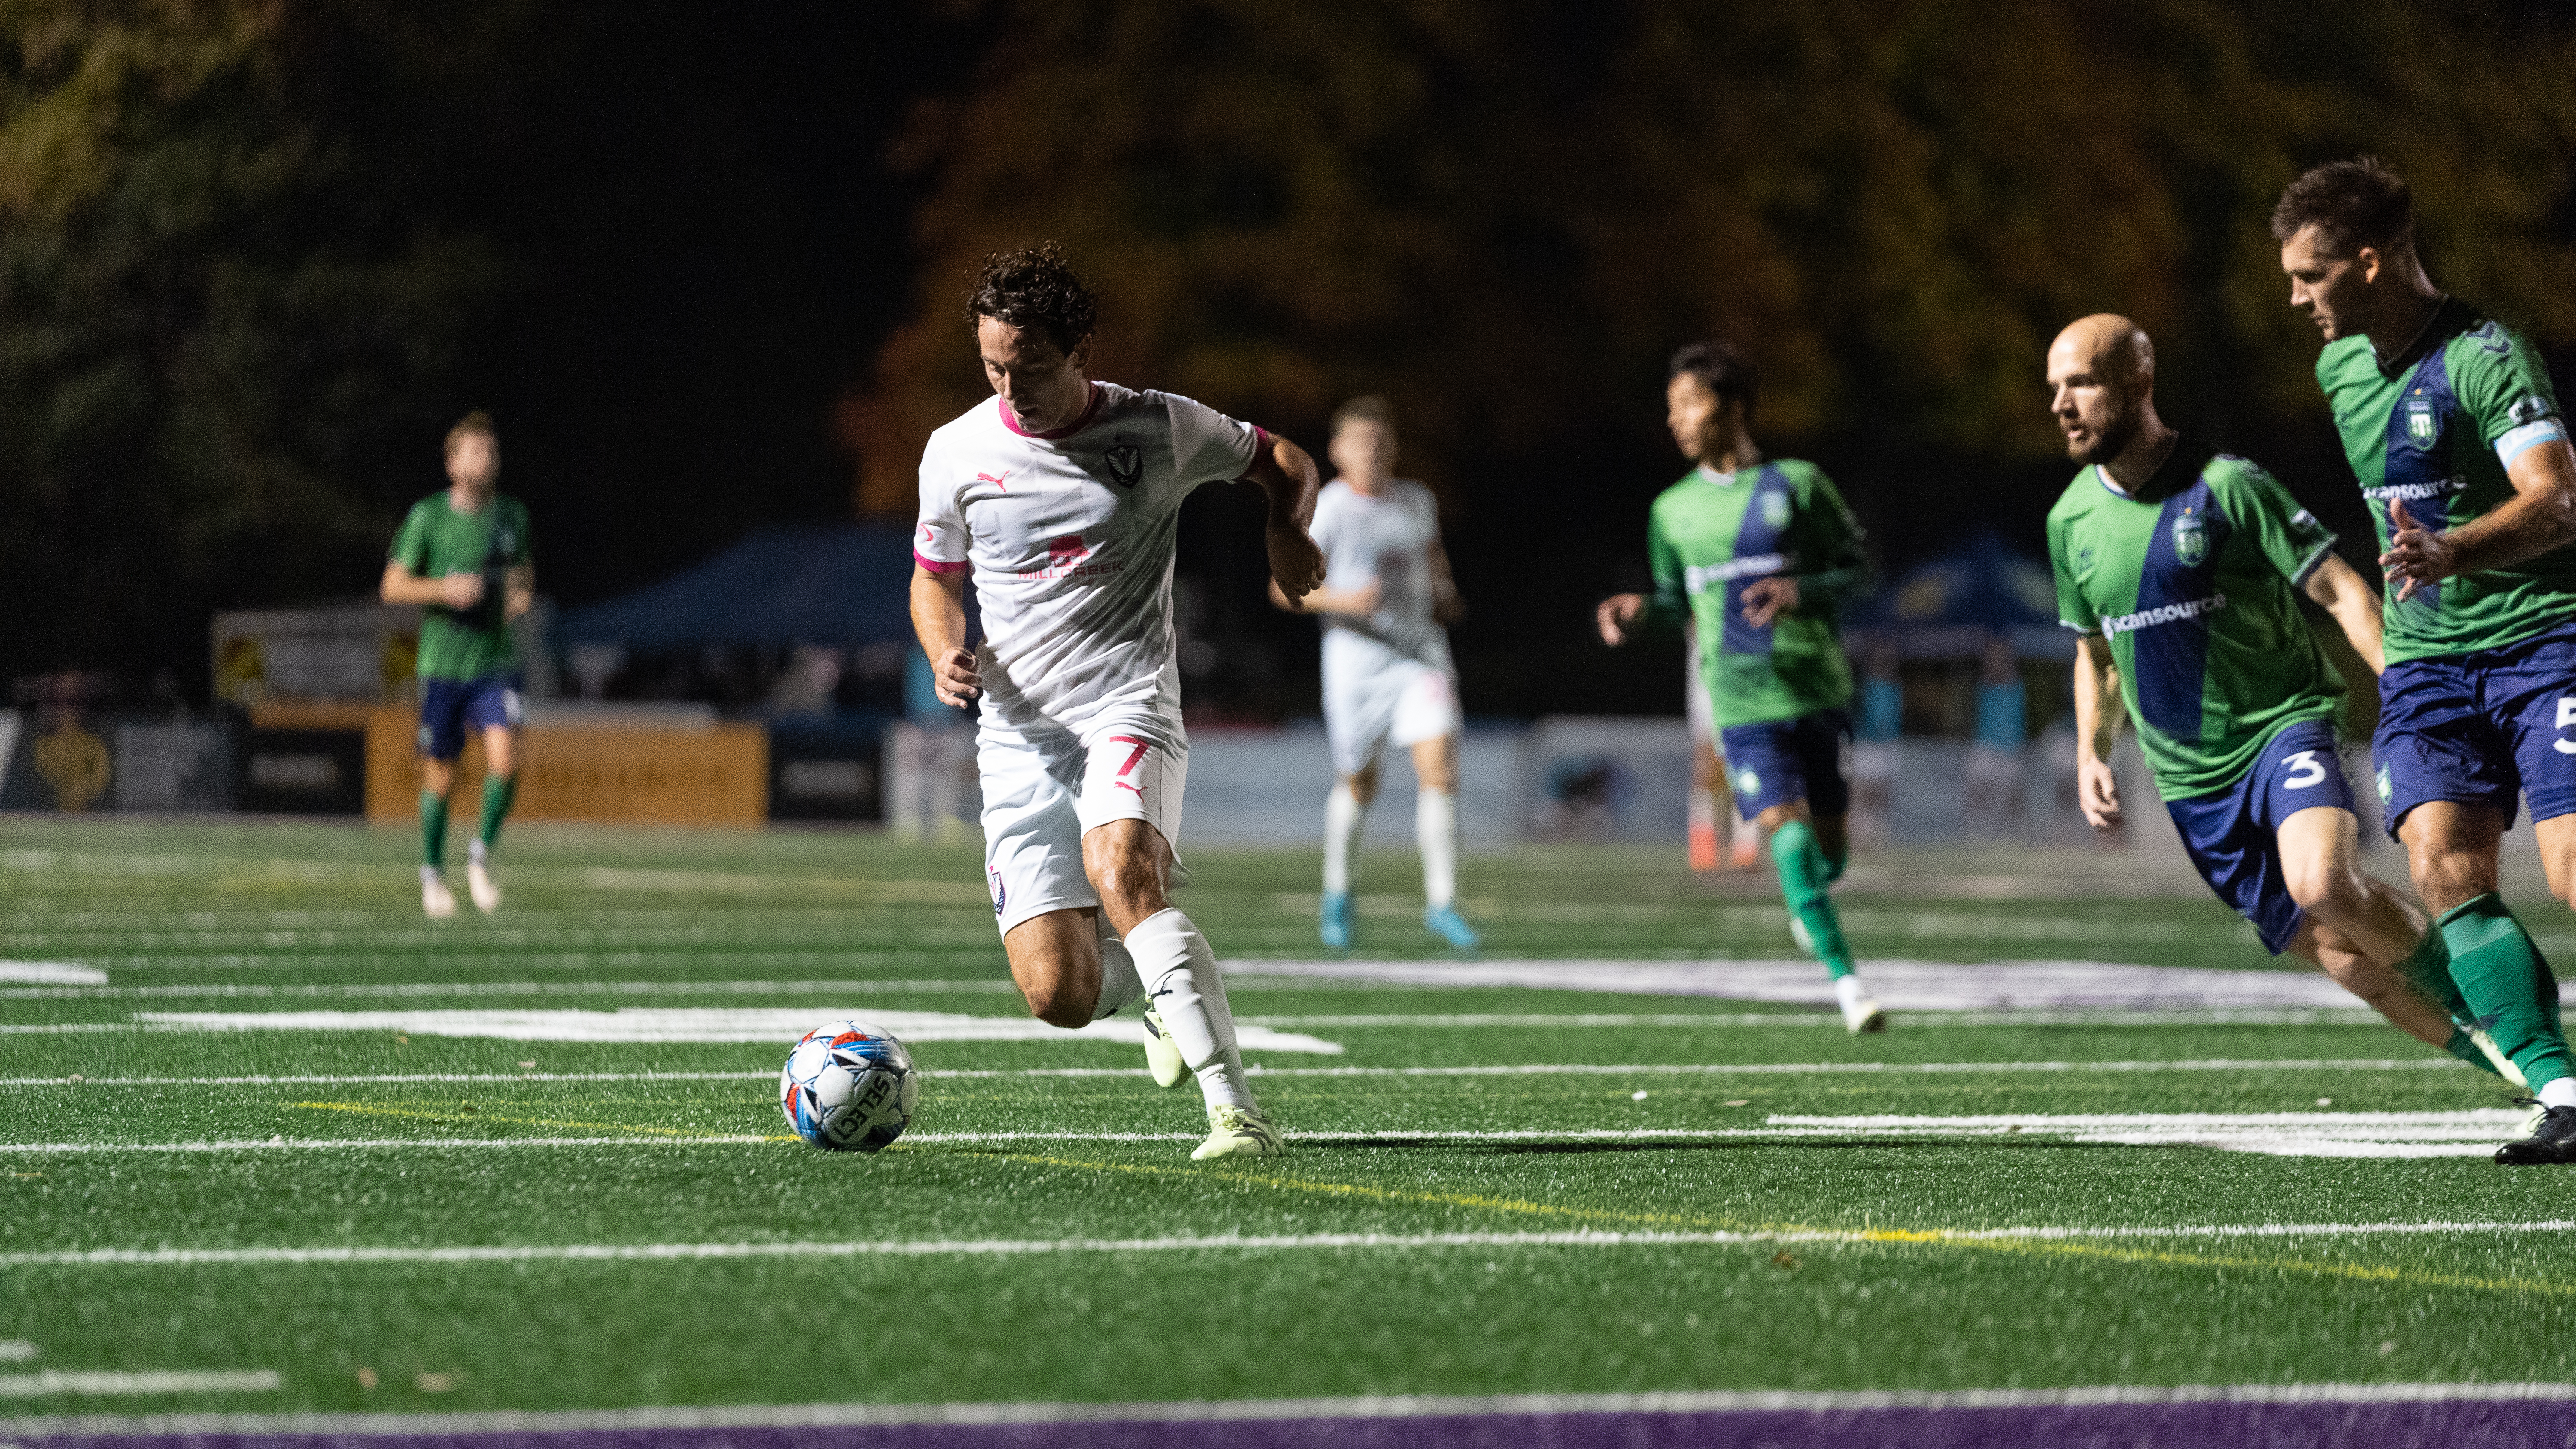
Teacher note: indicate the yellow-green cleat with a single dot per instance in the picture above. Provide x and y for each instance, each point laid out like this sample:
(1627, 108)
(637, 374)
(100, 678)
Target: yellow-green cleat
(1161, 1057)
(1238, 1132)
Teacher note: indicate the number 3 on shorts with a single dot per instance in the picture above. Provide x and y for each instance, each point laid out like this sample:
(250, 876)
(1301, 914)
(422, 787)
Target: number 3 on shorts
(2566, 717)
(2304, 770)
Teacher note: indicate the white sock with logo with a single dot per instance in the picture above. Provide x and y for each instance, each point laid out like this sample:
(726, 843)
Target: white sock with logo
(1435, 829)
(1342, 816)
(1178, 968)
(1119, 983)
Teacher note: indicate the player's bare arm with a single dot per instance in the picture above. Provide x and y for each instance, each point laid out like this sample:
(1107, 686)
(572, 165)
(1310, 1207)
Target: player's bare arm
(1357, 602)
(1287, 474)
(2097, 728)
(939, 622)
(2346, 595)
(1447, 605)
(456, 591)
(2539, 517)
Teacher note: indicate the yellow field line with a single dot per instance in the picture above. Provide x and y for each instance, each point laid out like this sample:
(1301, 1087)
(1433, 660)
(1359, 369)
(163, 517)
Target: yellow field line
(1893, 1237)
(468, 1118)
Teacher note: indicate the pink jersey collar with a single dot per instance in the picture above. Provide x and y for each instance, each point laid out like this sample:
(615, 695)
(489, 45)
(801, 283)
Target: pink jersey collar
(1067, 431)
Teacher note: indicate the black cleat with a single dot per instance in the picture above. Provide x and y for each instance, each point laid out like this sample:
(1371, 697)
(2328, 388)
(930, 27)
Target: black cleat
(2552, 1139)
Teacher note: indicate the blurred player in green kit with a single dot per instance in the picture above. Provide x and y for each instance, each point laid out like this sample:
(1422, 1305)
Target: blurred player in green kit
(1760, 555)
(464, 556)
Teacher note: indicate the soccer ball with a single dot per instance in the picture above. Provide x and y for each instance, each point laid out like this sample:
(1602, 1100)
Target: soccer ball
(848, 1087)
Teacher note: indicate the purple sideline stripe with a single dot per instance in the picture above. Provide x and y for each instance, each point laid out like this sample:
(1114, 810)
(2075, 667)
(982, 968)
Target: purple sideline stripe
(2456, 1424)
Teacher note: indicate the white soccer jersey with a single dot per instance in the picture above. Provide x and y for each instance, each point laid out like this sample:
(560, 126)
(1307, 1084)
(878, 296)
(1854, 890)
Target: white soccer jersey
(1070, 534)
(1386, 539)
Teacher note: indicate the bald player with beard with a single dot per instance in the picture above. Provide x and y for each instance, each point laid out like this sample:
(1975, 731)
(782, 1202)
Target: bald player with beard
(2175, 566)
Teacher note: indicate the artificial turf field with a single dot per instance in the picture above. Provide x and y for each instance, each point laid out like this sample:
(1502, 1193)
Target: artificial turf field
(1584, 1198)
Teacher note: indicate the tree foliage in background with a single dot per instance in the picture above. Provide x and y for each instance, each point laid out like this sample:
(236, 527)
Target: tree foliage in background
(217, 318)
(1506, 213)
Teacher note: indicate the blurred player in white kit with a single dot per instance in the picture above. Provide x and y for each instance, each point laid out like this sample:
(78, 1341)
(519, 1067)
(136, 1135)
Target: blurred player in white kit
(1387, 674)
(1062, 496)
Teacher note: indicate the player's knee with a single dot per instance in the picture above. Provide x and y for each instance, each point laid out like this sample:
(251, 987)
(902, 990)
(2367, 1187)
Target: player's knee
(2322, 890)
(1063, 1003)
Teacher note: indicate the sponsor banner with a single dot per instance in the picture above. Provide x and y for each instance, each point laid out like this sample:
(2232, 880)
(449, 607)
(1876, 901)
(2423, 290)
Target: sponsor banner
(716, 774)
(827, 773)
(303, 771)
(178, 766)
(1606, 779)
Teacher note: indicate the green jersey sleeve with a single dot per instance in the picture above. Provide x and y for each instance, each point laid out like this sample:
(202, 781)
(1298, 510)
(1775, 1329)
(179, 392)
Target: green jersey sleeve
(1669, 605)
(2072, 609)
(1837, 570)
(2503, 384)
(2291, 539)
(411, 542)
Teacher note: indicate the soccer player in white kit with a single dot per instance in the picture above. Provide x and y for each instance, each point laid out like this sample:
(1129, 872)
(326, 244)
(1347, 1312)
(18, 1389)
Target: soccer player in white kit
(1387, 675)
(1062, 496)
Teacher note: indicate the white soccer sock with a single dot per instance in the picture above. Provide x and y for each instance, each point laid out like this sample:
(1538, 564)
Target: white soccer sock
(1342, 815)
(478, 853)
(2560, 1093)
(1435, 829)
(1119, 983)
(1179, 971)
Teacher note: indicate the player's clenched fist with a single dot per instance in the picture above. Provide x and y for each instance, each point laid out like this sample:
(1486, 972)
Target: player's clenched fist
(1614, 616)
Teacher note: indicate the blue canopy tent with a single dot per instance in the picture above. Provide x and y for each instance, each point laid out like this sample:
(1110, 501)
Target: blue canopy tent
(1951, 607)
(838, 585)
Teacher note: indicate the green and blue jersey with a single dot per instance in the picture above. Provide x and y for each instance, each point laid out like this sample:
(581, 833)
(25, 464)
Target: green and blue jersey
(1711, 535)
(2433, 428)
(2192, 581)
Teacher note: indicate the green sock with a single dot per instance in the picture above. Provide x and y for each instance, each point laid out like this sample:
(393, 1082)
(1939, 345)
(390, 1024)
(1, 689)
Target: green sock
(433, 830)
(2430, 969)
(1803, 878)
(498, 791)
(2466, 1050)
(2509, 987)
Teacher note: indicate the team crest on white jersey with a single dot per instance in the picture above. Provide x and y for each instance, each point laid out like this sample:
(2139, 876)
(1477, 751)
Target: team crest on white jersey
(1126, 464)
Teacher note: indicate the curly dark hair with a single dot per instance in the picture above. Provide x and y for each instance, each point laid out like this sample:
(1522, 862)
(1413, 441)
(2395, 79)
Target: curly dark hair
(2353, 204)
(1717, 363)
(1034, 289)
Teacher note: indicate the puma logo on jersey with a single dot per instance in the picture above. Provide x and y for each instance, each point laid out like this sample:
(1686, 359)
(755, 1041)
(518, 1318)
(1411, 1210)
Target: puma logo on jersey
(995, 479)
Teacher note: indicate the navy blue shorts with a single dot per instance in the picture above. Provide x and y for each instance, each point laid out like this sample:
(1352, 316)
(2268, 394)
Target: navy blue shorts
(2478, 728)
(1789, 760)
(449, 708)
(2233, 835)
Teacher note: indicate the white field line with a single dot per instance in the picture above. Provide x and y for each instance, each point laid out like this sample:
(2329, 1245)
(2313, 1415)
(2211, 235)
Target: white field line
(413, 990)
(1223, 1243)
(52, 973)
(406, 1144)
(17, 1350)
(2295, 1134)
(150, 1381)
(1535, 1069)
(817, 1416)
(768, 1024)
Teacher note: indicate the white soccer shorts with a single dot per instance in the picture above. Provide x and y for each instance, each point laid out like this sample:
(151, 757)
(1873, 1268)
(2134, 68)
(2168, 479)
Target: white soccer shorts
(1044, 790)
(1401, 703)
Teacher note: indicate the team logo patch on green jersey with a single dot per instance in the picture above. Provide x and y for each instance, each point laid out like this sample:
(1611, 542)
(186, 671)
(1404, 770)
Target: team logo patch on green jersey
(2421, 428)
(1775, 509)
(2191, 539)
